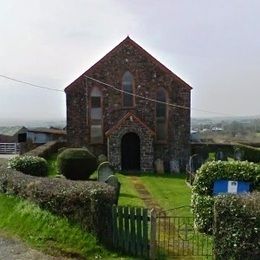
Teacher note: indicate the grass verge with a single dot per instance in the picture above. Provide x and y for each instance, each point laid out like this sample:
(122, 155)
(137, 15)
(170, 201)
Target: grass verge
(47, 232)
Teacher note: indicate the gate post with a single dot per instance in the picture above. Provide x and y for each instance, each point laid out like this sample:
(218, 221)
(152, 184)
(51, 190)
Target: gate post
(153, 235)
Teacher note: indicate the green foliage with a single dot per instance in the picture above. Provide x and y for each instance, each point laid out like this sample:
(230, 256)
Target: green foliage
(202, 200)
(87, 203)
(46, 231)
(31, 165)
(76, 163)
(237, 227)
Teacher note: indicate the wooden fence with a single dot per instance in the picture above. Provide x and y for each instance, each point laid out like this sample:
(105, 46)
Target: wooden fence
(9, 148)
(158, 235)
(131, 230)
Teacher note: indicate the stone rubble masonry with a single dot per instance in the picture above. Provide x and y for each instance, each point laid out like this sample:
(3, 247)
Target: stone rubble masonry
(149, 75)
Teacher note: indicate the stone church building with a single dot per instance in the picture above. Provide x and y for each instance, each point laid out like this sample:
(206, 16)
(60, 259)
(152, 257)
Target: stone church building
(111, 109)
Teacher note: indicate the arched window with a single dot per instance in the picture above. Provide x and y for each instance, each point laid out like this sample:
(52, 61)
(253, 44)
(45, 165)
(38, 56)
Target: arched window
(161, 115)
(96, 129)
(128, 86)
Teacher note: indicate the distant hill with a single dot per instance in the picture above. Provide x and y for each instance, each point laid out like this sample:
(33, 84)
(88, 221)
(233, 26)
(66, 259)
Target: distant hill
(59, 123)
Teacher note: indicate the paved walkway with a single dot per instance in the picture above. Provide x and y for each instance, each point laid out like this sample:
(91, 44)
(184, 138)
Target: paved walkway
(13, 249)
(7, 156)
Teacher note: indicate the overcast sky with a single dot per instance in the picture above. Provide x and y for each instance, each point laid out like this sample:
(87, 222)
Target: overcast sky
(213, 45)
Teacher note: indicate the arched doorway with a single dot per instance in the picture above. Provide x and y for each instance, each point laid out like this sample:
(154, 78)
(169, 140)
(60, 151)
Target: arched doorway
(130, 152)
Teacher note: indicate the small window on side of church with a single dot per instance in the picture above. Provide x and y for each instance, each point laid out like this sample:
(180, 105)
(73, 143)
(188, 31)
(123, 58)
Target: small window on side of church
(161, 115)
(96, 123)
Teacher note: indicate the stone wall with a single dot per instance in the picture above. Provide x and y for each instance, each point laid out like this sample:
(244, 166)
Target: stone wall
(149, 75)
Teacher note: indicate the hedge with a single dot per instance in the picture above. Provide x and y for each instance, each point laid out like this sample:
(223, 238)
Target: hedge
(76, 163)
(237, 227)
(88, 203)
(32, 165)
(202, 199)
(47, 149)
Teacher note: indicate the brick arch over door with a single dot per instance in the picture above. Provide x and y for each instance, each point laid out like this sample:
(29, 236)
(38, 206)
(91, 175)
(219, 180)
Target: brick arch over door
(146, 146)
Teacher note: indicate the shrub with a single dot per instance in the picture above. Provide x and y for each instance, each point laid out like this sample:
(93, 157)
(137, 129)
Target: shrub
(31, 165)
(202, 200)
(237, 227)
(76, 163)
(86, 202)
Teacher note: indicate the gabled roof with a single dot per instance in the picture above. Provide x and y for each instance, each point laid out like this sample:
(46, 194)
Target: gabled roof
(131, 117)
(47, 130)
(128, 40)
(11, 130)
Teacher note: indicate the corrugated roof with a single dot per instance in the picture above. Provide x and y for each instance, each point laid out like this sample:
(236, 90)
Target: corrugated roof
(11, 130)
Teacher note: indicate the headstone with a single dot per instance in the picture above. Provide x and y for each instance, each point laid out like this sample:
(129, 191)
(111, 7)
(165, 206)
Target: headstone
(174, 166)
(238, 155)
(112, 180)
(102, 158)
(159, 167)
(220, 156)
(195, 162)
(104, 171)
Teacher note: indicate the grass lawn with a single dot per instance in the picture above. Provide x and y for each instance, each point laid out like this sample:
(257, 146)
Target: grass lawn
(128, 194)
(52, 165)
(45, 231)
(170, 191)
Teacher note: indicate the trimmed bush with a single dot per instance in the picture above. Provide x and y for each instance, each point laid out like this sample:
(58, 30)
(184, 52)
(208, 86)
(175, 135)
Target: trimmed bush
(202, 200)
(31, 165)
(76, 163)
(237, 227)
(86, 202)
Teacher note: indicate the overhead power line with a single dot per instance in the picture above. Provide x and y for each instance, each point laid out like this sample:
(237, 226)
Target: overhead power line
(154, 100)
(117, 89)
(30, 84)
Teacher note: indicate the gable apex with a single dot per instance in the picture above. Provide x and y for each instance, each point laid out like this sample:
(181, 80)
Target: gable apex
(131, 42)
(133, 118)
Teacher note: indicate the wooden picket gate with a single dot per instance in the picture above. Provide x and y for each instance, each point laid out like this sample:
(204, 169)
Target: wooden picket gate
(158, 235)
(130, 230)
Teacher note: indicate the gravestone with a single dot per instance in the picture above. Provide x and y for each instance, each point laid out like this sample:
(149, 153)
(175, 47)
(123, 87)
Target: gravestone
(238, 155)
(159, 167)
(102, 158)
(195, 162)
(220, 156)
(112, 180)
(174, 166)
(104, 171)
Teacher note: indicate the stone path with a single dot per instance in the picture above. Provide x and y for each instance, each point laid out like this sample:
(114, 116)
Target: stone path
(144, 194)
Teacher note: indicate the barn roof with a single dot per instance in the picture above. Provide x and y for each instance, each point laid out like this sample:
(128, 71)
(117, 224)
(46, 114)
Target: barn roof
(128, 40)
(11, 130)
